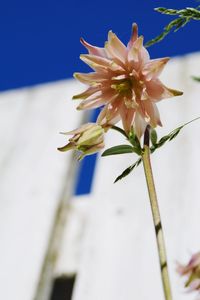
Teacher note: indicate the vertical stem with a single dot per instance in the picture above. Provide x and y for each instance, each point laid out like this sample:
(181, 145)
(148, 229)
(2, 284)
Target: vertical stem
(156, 217)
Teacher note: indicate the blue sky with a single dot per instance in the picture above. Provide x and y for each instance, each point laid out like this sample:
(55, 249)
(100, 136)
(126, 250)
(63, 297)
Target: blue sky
(40, 39)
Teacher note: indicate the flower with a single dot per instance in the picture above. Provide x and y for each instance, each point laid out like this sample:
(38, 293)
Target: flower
(125, 81)
(87, 139)
(192, 271)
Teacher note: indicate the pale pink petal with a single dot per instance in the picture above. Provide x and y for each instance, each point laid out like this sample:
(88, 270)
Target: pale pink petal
(195, 260)
(90, 78)
(93, 49)
(100, 63)
(194, 285)
(138, 53)
(182, 270)
(127, 115)
(79, 130)
(134, 36)
(90, 91)
(102, 116)
(134, 52)
(109, 113)
(88, 104)
(155, 89)
(154, 67)
(168, 93)
(139, 125)
(113, 109)
(116, 48)
(158, 91)
(152, 113)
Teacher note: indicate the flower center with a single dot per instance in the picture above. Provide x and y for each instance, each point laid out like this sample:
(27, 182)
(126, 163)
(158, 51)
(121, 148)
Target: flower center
(122, 86)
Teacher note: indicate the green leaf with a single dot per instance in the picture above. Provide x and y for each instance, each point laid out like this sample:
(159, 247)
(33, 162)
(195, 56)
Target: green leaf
(121, 149)
(120, 130)
(166, 11)
(196, 78)
(170, 136)
(183, 17)
(127, 171)
(175, 132)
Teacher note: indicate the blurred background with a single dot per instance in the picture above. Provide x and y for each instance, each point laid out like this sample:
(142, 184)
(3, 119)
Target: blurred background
(66, 231)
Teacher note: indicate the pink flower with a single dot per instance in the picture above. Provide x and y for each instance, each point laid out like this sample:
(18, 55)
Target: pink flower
(125, 81)
(87, 139)
(192, 271)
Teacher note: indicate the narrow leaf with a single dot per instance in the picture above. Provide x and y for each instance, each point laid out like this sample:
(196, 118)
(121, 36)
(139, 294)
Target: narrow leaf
(121, 149)
(167, 11)
(170, 136)
(120, 130)
(127, 171)
(196, 78)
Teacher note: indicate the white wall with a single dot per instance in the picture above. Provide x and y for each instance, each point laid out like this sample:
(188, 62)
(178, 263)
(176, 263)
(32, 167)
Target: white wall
(33, 175)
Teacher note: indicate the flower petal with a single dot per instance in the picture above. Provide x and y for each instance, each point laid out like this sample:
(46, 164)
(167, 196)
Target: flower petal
(100, 63)
(116, 48)
(134, 36)
(110, 112)
(155, 89)
(93, 49)
(79, 130)
(158, 91)
(139, 125)
(90, 78)
(152, 113)
(69, 146)
(90, 91)
(127, 115)
(137, 53)
(168, 93)
(91, 150)
(154, 67)
(94, 103)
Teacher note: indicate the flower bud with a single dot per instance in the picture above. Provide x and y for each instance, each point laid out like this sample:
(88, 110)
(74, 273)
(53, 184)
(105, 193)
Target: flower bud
(87, 139)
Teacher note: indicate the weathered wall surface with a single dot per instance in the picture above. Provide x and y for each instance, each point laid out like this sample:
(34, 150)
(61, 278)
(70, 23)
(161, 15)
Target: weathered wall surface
(33, 175)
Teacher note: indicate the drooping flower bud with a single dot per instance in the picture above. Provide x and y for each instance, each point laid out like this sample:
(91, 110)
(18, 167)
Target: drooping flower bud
(87, 139)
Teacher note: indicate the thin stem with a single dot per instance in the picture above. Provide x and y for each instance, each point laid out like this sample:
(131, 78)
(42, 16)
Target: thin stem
(156, 217)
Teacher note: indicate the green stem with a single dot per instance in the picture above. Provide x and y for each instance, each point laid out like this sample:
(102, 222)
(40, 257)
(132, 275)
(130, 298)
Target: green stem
(156, 217)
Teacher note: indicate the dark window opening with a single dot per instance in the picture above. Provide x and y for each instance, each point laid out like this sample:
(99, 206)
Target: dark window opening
(62, 288)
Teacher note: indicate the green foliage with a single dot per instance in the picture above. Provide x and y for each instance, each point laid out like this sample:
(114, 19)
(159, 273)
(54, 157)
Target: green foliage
(127, 171)
(184, 16)
(120, 130)
(120, 149)
(136, 147)
(170, 136)
(196, 78)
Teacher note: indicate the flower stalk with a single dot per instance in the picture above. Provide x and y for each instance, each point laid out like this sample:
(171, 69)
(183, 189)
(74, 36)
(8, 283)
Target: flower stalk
(156, 217)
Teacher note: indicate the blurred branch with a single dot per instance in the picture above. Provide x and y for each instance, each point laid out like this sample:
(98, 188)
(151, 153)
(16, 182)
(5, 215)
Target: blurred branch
(184, 16)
